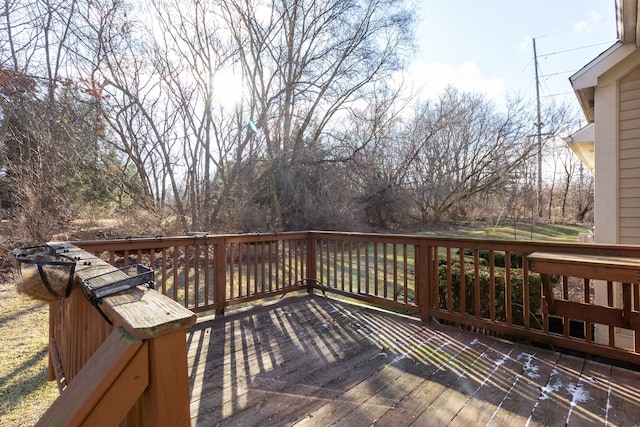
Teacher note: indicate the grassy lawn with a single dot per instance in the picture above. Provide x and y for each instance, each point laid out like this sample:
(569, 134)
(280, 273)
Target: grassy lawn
(25, 392)
(542, 232)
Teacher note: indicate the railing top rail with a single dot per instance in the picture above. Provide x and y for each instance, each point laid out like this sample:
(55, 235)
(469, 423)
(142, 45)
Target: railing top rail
(144, 313)
(439, 241)
(528, 246)
(169, 241)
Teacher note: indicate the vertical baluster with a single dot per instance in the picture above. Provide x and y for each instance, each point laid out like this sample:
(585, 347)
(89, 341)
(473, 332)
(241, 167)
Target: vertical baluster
(176, 269)
(405, 273)
(526, 294)
(196, 276)
(449, 281)
(342, 282)
(476, 282)
(207, 276)
(507, 287)
(492, 286)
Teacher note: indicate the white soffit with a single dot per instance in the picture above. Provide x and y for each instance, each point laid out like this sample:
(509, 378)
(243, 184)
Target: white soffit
(582, 143)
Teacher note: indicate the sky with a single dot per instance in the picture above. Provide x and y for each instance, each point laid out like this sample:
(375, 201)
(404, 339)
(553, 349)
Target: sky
(485, 46)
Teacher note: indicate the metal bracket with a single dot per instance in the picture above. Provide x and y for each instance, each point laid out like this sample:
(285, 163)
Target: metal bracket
(137, 275)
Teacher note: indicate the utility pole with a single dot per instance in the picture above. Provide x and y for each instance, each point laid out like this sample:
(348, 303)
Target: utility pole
(539, 126)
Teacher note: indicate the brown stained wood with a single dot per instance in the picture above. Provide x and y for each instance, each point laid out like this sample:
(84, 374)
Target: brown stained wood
(317, 361)
(536, 365)
(378, 390)
(590, 313)
(123, 394)
(624, 399)
(146, 313)
(78, 331)
(371, 400)
(307, 375)
(93, 381)
(547, 294)
(314, 388)
(614, 268)
(275, 329)
(462, 285)
(143, 312)
(486, 400)
(555, 403)
(270, 346)
(592, 395)
(449, 403)
(456, 358)
(166, 401)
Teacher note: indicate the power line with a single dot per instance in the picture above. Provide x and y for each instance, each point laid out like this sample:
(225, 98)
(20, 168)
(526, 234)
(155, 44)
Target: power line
(575, 49)
(551, 95)
(558, 73)
(598, 21)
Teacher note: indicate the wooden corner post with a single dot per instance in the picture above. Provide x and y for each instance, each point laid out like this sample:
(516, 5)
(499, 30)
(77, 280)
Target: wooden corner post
(165, 402)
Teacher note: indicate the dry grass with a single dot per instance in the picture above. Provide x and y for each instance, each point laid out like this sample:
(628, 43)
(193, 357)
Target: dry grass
(25, 392)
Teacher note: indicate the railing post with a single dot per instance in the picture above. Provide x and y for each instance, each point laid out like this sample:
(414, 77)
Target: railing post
(423, 281)
(165, 402)
(311, 272)
(220, 276)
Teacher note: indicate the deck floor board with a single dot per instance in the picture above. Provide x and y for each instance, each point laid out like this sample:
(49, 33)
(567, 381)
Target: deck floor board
(321, 361)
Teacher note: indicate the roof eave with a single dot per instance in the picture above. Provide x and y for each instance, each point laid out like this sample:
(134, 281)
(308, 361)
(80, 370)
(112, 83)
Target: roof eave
(585, 80)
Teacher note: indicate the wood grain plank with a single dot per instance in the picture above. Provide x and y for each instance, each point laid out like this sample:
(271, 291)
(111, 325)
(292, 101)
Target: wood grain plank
(624, 397)
(555, 402)
(302, 360)
(377, 394)
(520, 401)
(589, 406)
(449, 404)
(93, 381)
(491, 393)
(143, 312)
(455, 360)
(317, 361)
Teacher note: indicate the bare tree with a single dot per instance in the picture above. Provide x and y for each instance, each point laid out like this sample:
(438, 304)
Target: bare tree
(39, 123)
(467, 147)
(306, 63)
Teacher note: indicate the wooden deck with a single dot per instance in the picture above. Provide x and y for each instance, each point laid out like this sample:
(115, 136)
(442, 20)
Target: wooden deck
(319, 361)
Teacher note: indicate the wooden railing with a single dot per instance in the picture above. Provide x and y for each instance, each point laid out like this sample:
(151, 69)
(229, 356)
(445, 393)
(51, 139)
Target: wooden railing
(415, 274)
(131, 373)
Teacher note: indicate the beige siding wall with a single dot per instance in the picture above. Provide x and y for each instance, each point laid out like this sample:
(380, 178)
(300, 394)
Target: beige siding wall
(629, 159)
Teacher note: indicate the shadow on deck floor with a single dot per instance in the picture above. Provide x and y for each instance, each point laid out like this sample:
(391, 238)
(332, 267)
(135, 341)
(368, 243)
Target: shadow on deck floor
(311, 360)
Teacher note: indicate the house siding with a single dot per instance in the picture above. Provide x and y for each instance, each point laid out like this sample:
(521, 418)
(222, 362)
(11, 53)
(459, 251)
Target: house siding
(629, 159)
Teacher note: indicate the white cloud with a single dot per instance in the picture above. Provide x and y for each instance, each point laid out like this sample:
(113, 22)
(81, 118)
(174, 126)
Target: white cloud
(525, 44)
(429, 79)
(586, 24)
